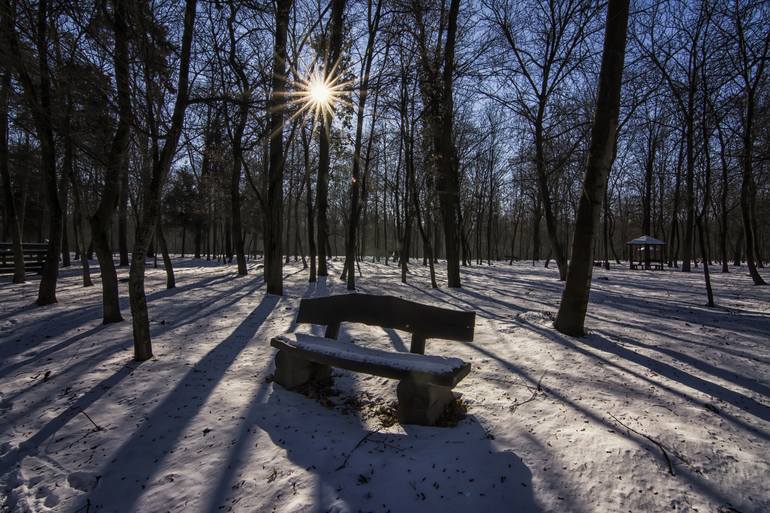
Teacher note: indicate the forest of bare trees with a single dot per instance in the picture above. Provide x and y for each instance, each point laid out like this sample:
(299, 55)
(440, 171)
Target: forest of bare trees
(409, 132)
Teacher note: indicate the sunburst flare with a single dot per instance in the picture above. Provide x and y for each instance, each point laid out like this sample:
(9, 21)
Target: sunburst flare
(320, 93)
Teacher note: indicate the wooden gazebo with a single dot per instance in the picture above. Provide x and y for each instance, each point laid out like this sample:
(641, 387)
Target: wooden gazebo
(646, 252)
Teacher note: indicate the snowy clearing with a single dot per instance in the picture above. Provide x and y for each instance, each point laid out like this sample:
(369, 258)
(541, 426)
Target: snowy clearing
(662, 386)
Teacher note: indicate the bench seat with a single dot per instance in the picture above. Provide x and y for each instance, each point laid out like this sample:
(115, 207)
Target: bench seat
(437, 370)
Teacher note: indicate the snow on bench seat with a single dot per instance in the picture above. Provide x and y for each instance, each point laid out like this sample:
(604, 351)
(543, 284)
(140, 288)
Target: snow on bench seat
(439, 370)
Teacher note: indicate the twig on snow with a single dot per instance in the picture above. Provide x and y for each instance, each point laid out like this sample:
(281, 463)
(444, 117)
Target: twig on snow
(535, 391)
(360, 442)
(96, 426)
(653, 440)
(516, 405)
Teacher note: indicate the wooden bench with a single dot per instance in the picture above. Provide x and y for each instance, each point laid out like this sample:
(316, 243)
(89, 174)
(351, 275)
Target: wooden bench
(654, 266)
(34, 257)
(425, 381)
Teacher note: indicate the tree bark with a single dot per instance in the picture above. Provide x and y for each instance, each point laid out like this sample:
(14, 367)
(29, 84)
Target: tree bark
(436, 84)
(123, 216)
(101, 221)
(38, 96)
(276, 105)
(574, 304)
(309, 207)
(705, 258)
(355, 188)
(65, 243)
(331, 57)
(10, 202)
(152, 191)
(170, 278)
(748, 191)
(237, 146)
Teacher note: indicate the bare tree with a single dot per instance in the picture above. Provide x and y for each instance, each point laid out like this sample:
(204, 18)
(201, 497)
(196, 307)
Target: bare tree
(752, 41)
(5, 175)
(545, 52)
(437, 69)
(574, 301)
(36, 84)
(373, 23)
(152, 187)
(331, 56)
(274, 202)
(101, 220)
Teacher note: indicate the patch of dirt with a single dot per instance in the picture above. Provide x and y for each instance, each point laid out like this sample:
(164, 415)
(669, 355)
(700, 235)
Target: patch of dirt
(454, 413)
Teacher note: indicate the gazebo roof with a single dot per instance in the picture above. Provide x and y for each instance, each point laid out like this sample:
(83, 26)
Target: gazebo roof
(646, 240)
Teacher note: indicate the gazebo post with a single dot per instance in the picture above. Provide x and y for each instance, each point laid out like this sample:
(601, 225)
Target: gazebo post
(647, 256)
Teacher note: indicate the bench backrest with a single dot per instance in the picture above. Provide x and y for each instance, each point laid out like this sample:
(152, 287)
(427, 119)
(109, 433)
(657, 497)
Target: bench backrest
(423, 321)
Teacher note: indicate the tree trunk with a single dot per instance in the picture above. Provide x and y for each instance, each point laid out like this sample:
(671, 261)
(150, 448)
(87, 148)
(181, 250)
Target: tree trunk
(436, 84)
(674, 242)
(574, 304)
(65, 243)
(705, 258)
(276, 105)
(237, 148)
(649, 166)
(687, 243)
(50, 275)
(355, 194)
(536, 217)
(170, 279)
(748, 191)
(545, 198)
(101, 221)
(79, 217)
(309, 207)
(38, 96)
(331, 57)
(10, 202)
(228, 233)
(152, 191)
(123, 216)
(184, 238)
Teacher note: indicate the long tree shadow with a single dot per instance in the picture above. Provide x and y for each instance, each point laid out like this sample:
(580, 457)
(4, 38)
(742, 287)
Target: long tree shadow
(70, 320)
(181, 316)
(652, 329)
(74, 370)
(157, 436)
(93, 311)
(9, 460)
(484, 297)
(87, 361)
(38, 356)
(697, 480)
(717, 318)
(721, 373)
(668, 371)
(737, 399)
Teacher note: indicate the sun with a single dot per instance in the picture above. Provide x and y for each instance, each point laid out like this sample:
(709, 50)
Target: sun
(319, 93)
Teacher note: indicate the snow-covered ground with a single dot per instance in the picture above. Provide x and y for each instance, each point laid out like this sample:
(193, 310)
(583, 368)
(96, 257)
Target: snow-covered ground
(664, 407)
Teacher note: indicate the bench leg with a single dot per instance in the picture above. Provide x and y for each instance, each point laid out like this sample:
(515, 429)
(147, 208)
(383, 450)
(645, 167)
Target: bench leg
(292, 372)
(421, 403)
